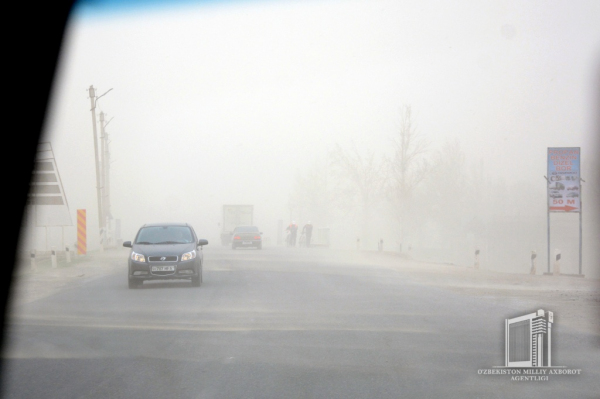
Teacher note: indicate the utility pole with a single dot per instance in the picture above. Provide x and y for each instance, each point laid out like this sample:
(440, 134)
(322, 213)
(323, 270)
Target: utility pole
(93, 100)
(105, 175)
(103, 178)
(101, 215)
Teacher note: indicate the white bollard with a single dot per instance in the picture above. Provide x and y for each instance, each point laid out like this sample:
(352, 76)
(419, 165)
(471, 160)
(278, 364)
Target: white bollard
(53, 258)
(68, 253)
(476, 266)
(557, 262)
(533, 268)
(33, 266)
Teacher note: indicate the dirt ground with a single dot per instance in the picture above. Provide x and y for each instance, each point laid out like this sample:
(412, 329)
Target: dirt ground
(575, 301)
(30, 285)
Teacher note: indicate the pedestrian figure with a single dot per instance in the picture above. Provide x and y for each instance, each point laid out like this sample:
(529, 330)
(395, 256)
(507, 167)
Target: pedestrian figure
(293, 230)
(307, 231)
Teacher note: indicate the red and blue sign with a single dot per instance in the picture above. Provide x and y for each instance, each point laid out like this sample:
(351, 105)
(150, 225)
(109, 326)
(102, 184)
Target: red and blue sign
(564, 188)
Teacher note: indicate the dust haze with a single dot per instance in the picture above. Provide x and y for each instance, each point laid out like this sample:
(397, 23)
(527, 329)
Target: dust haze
(421, 125)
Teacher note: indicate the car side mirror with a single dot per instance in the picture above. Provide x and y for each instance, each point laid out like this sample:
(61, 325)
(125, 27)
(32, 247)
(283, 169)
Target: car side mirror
(127, 244)
(202, 242)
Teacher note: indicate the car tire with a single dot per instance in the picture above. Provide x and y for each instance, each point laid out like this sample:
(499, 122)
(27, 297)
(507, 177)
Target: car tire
(197, 280)
(259, 246)
(232, 246)
(134, 283)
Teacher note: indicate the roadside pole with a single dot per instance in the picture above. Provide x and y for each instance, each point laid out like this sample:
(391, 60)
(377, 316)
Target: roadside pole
(103, 179)
(32, 257)
(53, 258)
(105, 151)
(580, 225)
(557, 257)
(81, 243)
(548, 218)
(93, 99)
(109, 230)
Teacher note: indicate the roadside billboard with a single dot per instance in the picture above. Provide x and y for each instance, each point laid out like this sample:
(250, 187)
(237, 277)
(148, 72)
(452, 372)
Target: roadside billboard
(47, 199)
(564, 188)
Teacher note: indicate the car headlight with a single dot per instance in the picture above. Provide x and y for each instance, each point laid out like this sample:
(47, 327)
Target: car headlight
(188, 256)
(138, 257)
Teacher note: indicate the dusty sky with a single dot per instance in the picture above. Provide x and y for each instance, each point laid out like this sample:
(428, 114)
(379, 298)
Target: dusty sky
(224, 103)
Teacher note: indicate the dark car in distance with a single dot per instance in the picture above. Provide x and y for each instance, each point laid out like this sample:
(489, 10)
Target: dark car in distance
(165, 251)
(246, 237)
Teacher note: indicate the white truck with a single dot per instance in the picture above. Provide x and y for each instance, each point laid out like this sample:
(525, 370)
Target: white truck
(233, 216)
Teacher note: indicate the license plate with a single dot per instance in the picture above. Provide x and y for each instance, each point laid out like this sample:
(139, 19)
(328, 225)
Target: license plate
(163, 268)
(246, 242)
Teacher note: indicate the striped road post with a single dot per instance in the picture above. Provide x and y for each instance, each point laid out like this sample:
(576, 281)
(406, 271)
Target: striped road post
(81, 232)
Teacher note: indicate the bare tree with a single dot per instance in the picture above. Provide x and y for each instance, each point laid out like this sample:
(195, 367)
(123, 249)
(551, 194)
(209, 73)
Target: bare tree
(359, 181)
(407, 168)
(447, 190)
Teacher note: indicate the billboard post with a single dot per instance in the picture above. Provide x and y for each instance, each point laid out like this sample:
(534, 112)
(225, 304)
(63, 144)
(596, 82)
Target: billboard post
(580, 226)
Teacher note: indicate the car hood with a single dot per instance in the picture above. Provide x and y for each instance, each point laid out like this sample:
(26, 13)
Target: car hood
(163, 249)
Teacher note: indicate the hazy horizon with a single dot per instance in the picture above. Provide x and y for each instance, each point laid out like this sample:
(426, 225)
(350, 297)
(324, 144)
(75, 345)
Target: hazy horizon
(232, 103)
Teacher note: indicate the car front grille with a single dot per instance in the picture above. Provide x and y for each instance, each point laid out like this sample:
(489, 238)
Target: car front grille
(162, 258)
(163, 273)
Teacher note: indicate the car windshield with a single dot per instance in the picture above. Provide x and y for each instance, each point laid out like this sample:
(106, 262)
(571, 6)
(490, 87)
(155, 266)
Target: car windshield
(164, 235)
(246, 229)
(425, 176)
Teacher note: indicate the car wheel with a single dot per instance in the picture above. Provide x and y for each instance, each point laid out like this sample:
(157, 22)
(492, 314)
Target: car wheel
(259, 246)
(232, 246)
(197, 280)
(134, 283)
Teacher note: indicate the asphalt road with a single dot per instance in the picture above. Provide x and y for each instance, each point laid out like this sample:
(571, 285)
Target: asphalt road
(278, 323)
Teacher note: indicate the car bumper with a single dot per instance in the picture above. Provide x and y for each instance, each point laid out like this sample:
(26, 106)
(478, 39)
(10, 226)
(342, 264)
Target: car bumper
(246, 243)
(182, 270)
